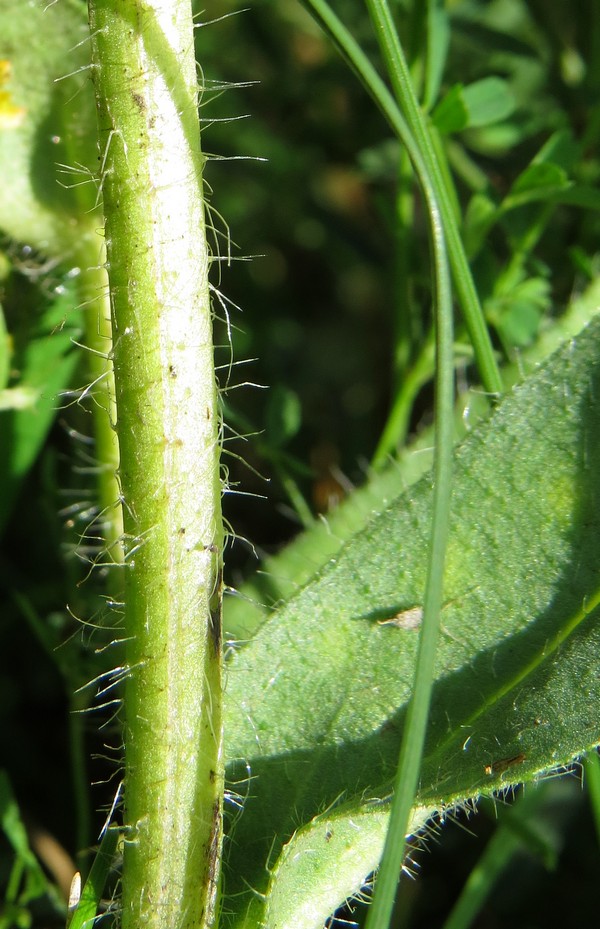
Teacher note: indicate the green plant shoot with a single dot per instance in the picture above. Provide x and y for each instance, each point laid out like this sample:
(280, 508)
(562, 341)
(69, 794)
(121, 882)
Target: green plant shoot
(168, 424)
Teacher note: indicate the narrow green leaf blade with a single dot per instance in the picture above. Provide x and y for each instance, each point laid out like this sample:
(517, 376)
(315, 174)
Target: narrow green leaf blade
(522, 828)
(438, 40)
(46, 361)
(86, 910)
(11, 824)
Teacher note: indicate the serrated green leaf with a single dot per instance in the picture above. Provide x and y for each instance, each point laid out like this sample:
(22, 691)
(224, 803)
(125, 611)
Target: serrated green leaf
(547, 177)
(316, 701)
(450, 115)
(50, 122)
(541, 174)
(517, 313)
(479, 104)
(488, 101)
(567, 194)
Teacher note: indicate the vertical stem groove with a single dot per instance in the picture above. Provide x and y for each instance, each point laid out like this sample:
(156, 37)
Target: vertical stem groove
(151, 174)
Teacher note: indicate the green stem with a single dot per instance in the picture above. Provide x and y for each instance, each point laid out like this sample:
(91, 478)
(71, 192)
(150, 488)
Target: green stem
(397, 67)
(396, 427)
(93, 291)
(168, 425)
(413, 736)
(422, 154)
(499, 851)
(405, 320)
(416, 722)
(591, 768)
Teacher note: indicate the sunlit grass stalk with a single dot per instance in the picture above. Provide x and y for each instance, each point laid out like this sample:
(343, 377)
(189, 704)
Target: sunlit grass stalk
(168, 426)
(416, 722)
(415, 136)
(406, 323)
(94, 297)
(399, 74)
(413, 737)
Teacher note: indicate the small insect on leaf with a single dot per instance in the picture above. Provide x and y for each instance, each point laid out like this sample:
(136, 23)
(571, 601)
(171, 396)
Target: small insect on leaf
(498, 767)
(75, 890)
(74, 896)
(407, 619)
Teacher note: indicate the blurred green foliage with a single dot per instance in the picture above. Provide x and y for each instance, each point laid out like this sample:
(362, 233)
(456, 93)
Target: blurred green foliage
(338, 306)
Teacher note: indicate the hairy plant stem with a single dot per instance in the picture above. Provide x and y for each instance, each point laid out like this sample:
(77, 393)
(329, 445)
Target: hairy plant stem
(151, 173)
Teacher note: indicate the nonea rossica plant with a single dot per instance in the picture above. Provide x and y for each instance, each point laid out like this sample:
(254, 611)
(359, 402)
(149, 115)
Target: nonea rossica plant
(144, 72)
(412, 651)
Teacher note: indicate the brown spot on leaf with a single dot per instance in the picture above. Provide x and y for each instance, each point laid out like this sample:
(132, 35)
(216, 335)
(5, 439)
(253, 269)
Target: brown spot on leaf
(139, 102)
